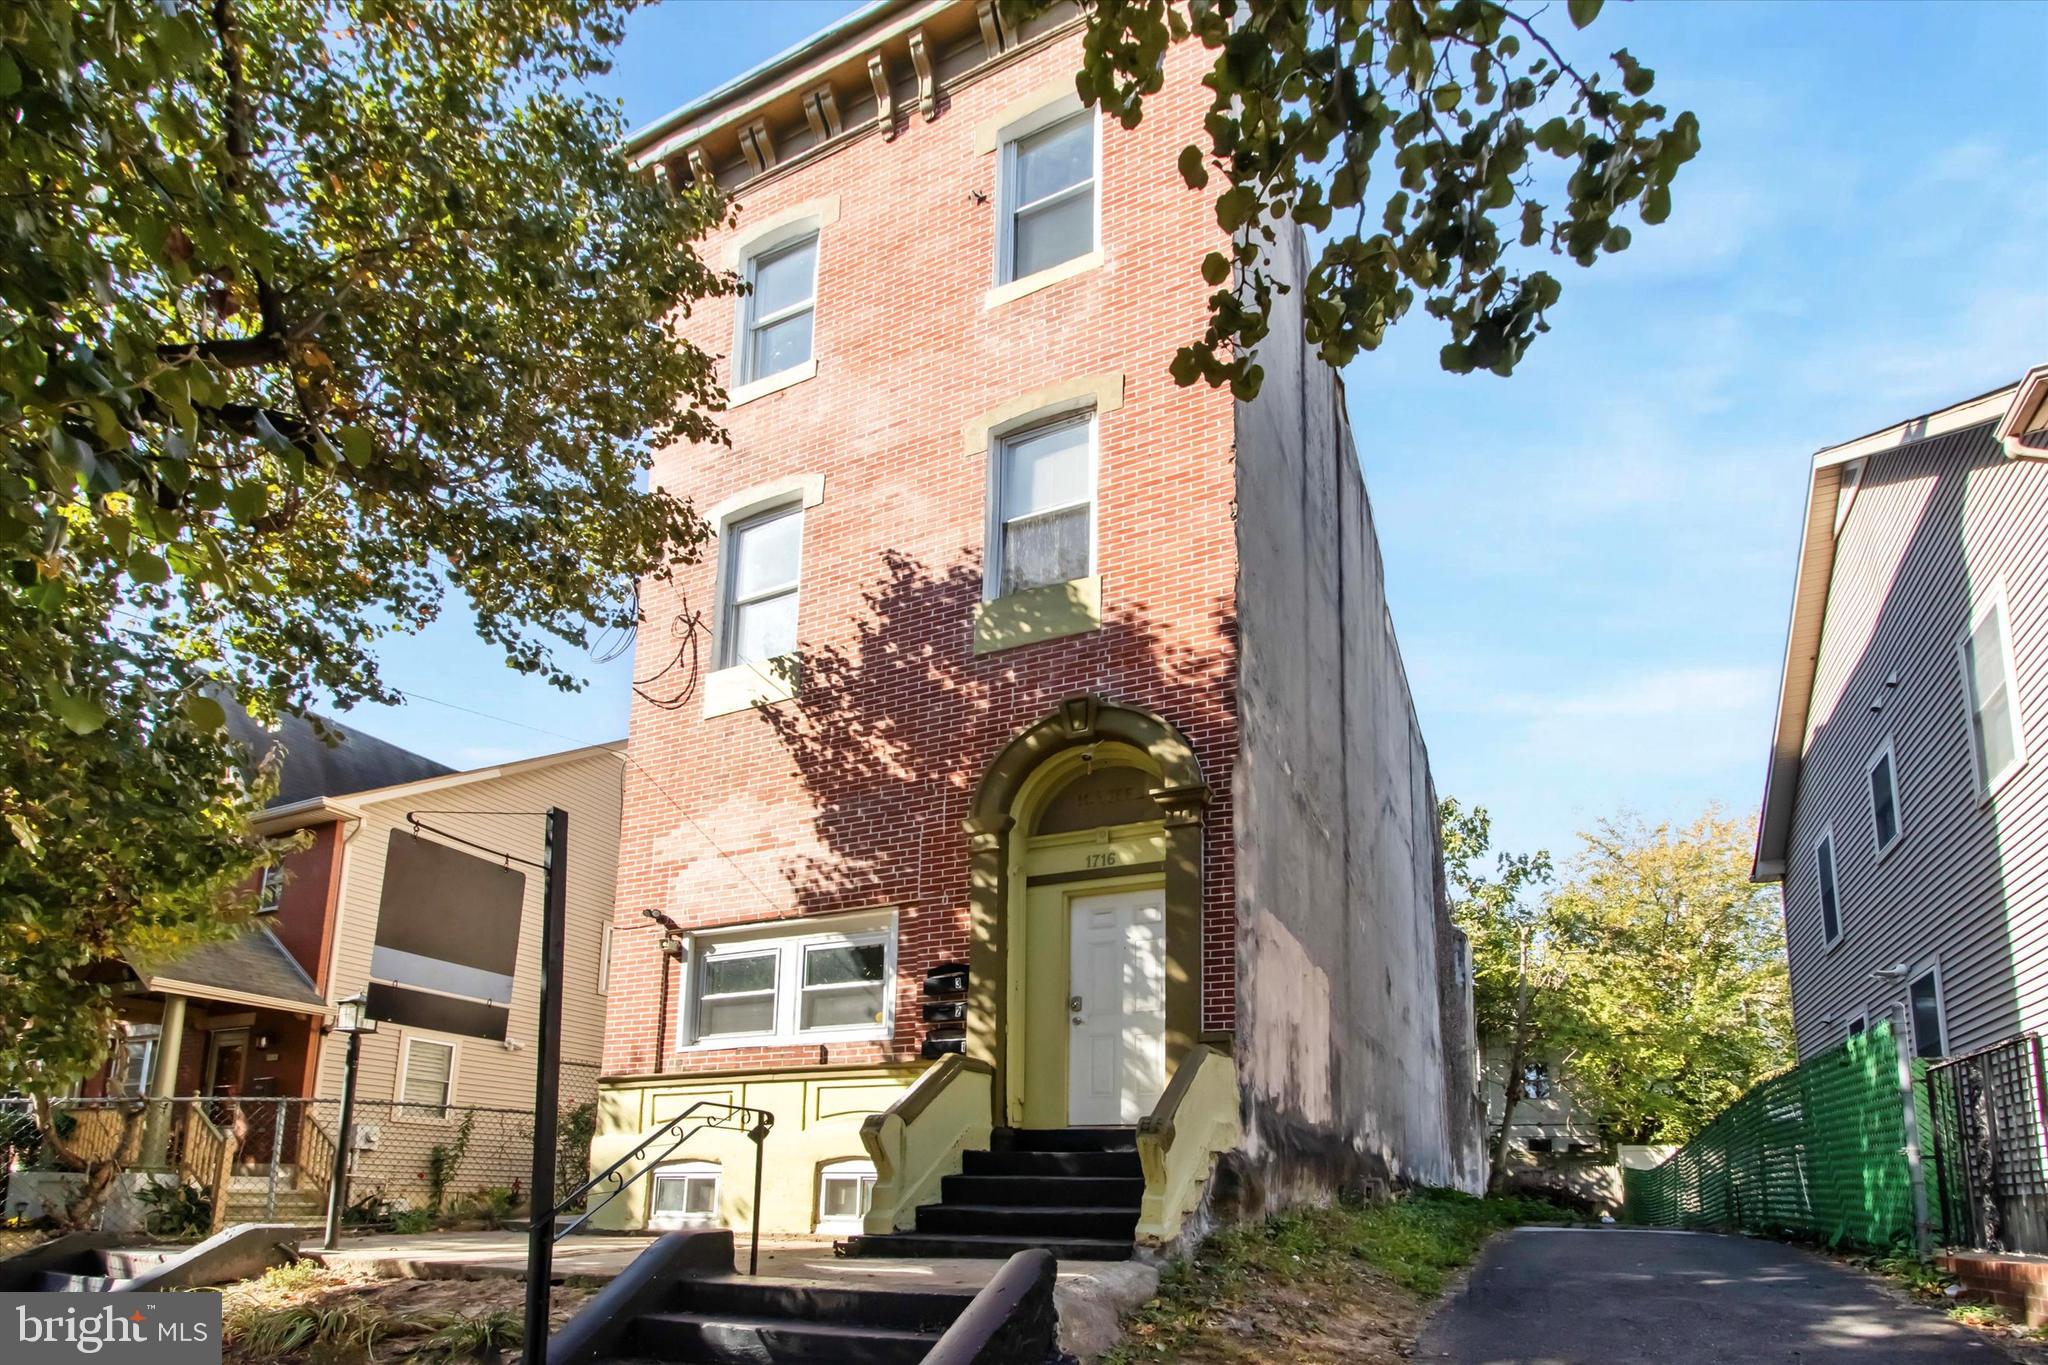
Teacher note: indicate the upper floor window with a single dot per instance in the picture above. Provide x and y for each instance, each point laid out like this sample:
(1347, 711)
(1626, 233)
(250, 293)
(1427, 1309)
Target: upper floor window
(1048, 197)
(1884, 798)
(272, 893)
(778, 311)
(1997, 745)
(763, 556)
(1830, 907)
(1044, 506)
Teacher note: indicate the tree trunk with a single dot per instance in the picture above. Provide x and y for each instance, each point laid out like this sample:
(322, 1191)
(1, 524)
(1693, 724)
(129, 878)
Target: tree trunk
(1518, 1049)
(83, 1209)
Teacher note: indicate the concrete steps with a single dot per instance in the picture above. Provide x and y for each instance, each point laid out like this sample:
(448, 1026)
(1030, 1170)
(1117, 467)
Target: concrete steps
(1073, 1191)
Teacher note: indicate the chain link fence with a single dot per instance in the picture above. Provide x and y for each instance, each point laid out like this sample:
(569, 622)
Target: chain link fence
(1821, 1151)
(203, 1163)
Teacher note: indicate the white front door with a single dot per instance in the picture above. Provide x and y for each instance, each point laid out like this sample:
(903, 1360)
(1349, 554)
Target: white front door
(1116, 1052)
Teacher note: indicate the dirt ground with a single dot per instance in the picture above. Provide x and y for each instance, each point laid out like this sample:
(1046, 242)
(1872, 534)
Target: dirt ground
(1352, 1316)
(401, 1301)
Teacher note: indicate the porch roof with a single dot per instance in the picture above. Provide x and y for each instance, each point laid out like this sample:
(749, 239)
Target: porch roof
(251, 968)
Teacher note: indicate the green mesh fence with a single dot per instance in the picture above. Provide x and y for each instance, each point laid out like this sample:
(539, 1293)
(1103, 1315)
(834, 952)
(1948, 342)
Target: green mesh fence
(1819, 1150)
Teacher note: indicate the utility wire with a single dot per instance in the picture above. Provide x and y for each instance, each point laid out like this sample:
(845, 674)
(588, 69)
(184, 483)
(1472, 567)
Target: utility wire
(666, 795)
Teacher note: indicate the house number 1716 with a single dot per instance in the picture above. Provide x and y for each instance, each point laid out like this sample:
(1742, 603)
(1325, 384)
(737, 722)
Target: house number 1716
(1103, 860)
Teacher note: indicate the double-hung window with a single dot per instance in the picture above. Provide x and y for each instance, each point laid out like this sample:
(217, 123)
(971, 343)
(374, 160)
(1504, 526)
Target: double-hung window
(794, 984)
(1997, 745)
(1048, 200)
(782, 302)
(1830, 904)
(1884, 797)
(271, 896)
(1044, 506)
(763, 561)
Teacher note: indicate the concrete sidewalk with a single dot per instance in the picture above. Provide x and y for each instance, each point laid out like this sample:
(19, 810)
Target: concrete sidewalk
(1559, 1296)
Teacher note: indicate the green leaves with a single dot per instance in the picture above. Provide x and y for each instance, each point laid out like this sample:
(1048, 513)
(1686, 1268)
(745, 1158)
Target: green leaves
(1305, 98)
(80, 712)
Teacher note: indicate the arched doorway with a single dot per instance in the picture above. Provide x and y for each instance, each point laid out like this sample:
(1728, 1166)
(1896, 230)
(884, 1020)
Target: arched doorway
(1085, 883)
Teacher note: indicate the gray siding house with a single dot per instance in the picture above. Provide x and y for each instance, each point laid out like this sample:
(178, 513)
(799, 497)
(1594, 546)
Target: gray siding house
(1906, 807)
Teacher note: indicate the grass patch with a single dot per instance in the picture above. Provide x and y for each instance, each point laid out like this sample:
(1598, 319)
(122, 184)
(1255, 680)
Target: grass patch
(343, 1316)
(1274, 1290)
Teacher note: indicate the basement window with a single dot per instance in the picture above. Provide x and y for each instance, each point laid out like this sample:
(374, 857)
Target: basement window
(846, 1189)
(685, 1196)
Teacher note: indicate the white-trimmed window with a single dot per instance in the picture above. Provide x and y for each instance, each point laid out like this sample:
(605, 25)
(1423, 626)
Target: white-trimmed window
(763, 568)
(1924, 1009)
(794, 983)
(685, 1195)
(1998, 747)
(1048, 195)
(426, 1081)
(604, 961)
(1042, 505)
(1830, 891)
(778, 311)
(136, 1061)
(1858, 1025)
(845, 1190)
(1883, 774)
(271, 895)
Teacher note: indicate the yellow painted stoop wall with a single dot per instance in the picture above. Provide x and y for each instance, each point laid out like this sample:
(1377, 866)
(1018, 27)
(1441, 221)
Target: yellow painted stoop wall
(818, 1114)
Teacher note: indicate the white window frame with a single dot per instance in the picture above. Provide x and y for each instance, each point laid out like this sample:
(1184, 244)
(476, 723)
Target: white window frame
(151, 1038)
(1059, 111)
(750, 322)
(1930, 967)
(1988, 785)
(604, 961)
(1887, 754)
(1855, 1024)
(729, 601)
(270, 894)
(998, 463)
(688, 1171)
(1827, 841)
(851, 1168)
(405, 1109)
(790, 941)
(1849, 481)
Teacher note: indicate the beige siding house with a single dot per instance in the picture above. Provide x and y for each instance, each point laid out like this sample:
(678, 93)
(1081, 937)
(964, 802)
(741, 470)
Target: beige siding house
(1906, 807)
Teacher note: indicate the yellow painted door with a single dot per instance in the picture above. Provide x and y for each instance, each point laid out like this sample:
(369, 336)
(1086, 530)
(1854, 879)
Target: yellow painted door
(1116, 1055)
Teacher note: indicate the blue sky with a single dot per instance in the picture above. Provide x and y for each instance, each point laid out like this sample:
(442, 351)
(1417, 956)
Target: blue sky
(1590, 563)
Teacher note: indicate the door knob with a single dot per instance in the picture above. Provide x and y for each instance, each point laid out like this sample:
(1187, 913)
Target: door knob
(1078, 1020)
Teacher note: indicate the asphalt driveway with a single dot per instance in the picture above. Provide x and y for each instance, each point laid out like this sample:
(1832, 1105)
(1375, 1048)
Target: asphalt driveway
(1554, 1295)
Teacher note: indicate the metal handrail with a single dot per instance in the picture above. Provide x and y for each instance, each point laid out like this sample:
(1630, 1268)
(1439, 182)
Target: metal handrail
(755, 1123)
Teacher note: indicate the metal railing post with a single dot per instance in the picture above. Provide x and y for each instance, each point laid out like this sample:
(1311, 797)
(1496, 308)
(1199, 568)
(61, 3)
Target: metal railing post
(276, 1156)
(759, 1133)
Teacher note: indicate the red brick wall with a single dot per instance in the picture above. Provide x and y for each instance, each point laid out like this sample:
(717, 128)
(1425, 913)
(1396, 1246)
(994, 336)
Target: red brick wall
(852, 794)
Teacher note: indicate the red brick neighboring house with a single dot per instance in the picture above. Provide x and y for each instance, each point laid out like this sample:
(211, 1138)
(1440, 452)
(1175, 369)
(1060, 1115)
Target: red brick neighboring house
(1017, 666)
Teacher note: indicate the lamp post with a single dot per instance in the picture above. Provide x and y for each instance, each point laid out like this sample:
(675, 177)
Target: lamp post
(351, 1016)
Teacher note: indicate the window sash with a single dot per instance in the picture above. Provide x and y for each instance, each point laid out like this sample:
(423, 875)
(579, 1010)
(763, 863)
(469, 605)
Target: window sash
(1016, 210)
(762, 594)
(696, 1196)
(1884, 799)
(1985, 651)
(1928, 1042)
(439, 1077)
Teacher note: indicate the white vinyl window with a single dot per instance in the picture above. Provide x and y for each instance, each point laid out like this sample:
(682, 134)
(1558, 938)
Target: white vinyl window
(1923, 1000)
(1042, 499)
(1830, 902)
(1884, 798)
(1998, 747)
(427, 1082)
(845, 1191)
(685, 1196)
(763, 565)
(136, 1061)
(775, 332)
(1048, 197)
(795, 985)
(271, 896)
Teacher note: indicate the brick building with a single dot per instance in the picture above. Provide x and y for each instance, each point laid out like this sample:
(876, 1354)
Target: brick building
(1017, 668)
